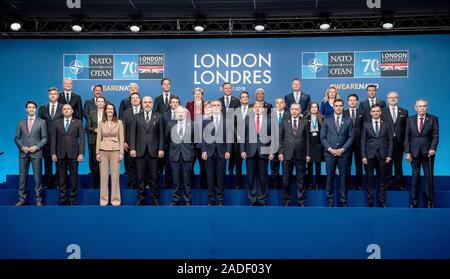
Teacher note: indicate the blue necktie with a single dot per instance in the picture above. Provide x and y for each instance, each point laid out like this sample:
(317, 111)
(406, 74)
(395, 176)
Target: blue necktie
(67, 125)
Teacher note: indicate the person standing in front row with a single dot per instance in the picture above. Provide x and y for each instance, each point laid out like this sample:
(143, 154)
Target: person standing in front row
(376, 152)
(421, 141)
(67, 148)
(315, 121)
(93, 120)
(337, 135)
(31, 136)
(109, 150)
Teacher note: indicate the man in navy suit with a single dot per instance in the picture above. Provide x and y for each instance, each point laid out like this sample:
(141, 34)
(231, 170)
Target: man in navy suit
(421, 141)
(297, 96)
(125, 104)
(162, 101)
(50, 112)
(91, 104)
(279, 114)
(215, 151)
(31, 136)
(337, 136)
(372, 99)
(376, 152)
(71, 98)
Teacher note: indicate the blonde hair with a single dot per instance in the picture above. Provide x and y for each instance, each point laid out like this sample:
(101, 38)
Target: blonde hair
(326, 99)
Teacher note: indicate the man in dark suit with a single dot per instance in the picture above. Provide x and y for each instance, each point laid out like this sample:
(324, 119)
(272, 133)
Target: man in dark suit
(91, 104)
(294, 151)
(67, 148)
(230, 102)
(372, 99)
(162, 101)
(71, 98)
(279, 114)
(31, 136)
(238, 121)
(358, 118)
(50, 112)
(94, 118)
(376, 152)
(259, 97)
(126, 103)
(421, 141)
(147, 145)
(215, 151)
(337, 136)
(397, 117)
(127, 120)
(297, 96)
(183, 134)
(258, 148)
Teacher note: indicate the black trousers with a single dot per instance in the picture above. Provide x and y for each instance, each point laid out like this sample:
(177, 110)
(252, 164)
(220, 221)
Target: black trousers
(181, 171)
(288, 167)
(427, 164)
(236, 161)
(202, 165)
(131, 169)
(216, 177)
(378, 164)
(257, 180)
(50, 181)
(355, 153)
(147, 166)
(397, 161)
(275, 171)
(94, 166)
(341, 163)
(164, 167)
(65, 165)
(309, 177)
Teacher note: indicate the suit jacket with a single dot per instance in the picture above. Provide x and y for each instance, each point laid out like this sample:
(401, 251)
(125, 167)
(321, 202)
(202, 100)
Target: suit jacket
(127, 119)
(38, 137)
(182, 148)
(91, 125)
(420, 143)
(216, 140)
(89, 105)
(70, 144)
(159, 106)
(266, 105)
(365, 107)
(147, 135)
(75, 102)
(399, 125)
(234, 102)
(110, 138)
(125, 104)
(331, 138)
(371, 143)
(305, 99)
(261, 145)
(294, 147)
(44, 114)
(357, 126)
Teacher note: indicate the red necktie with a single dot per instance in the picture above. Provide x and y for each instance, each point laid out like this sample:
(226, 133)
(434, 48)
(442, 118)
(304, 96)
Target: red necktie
(257, 125)
(30, 125)
(421, 125)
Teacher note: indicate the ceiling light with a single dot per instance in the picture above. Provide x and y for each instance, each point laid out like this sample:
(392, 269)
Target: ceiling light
(135, 28)
(16, 26)
(77, 28)
(324, 26)
(388, 25)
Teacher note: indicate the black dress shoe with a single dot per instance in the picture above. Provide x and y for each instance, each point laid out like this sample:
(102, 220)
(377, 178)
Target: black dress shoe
(73, 203)
(287, 204)
(220, 203)
(413, 206)
(382, 205)
(370, 204)
(155, 202)
(330, 204)
(173, 203)
(429, 205)
(344, 204)
(211, 203)
(188, 203)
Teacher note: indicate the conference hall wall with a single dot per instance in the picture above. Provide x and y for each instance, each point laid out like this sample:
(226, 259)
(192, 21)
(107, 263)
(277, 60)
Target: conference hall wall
(413, 65)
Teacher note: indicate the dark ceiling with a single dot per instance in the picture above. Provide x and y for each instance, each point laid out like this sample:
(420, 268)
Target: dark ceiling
(158, 9)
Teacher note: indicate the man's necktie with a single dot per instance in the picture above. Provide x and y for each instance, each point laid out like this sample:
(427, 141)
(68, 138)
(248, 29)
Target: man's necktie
(227, 102)
(147, 117)
(377, 129)
(297, 97)
(67, 98)
(280, 117)
(295, 127)
(52, 111)
(166, 99)
(421, 125)
(394, 114)
(372, 102)
(180, 131)
(30, 125)
(67, 125)
(353, 116)
(257, 125)
(338, 123)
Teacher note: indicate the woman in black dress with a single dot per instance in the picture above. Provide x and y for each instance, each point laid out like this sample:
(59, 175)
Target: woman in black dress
(315, 120)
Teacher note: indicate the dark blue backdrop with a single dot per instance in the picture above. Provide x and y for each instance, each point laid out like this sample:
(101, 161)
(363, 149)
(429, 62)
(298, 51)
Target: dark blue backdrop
(29, 67)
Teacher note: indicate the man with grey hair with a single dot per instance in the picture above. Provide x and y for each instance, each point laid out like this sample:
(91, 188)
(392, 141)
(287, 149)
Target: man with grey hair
(421, 141)
(259, 97)
(147, 145)
(126, 103)
(396, 116)
(71, 98)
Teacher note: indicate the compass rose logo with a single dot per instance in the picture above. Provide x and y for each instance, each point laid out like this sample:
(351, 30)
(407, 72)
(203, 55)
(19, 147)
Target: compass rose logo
(315, 65)
(76, 67)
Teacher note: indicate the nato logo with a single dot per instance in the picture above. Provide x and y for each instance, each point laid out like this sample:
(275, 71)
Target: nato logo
(315, 65)
(76, 66)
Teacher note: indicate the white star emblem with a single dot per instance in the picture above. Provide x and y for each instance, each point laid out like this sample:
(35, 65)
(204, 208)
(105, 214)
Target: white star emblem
(76, 67)
(315, 65)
